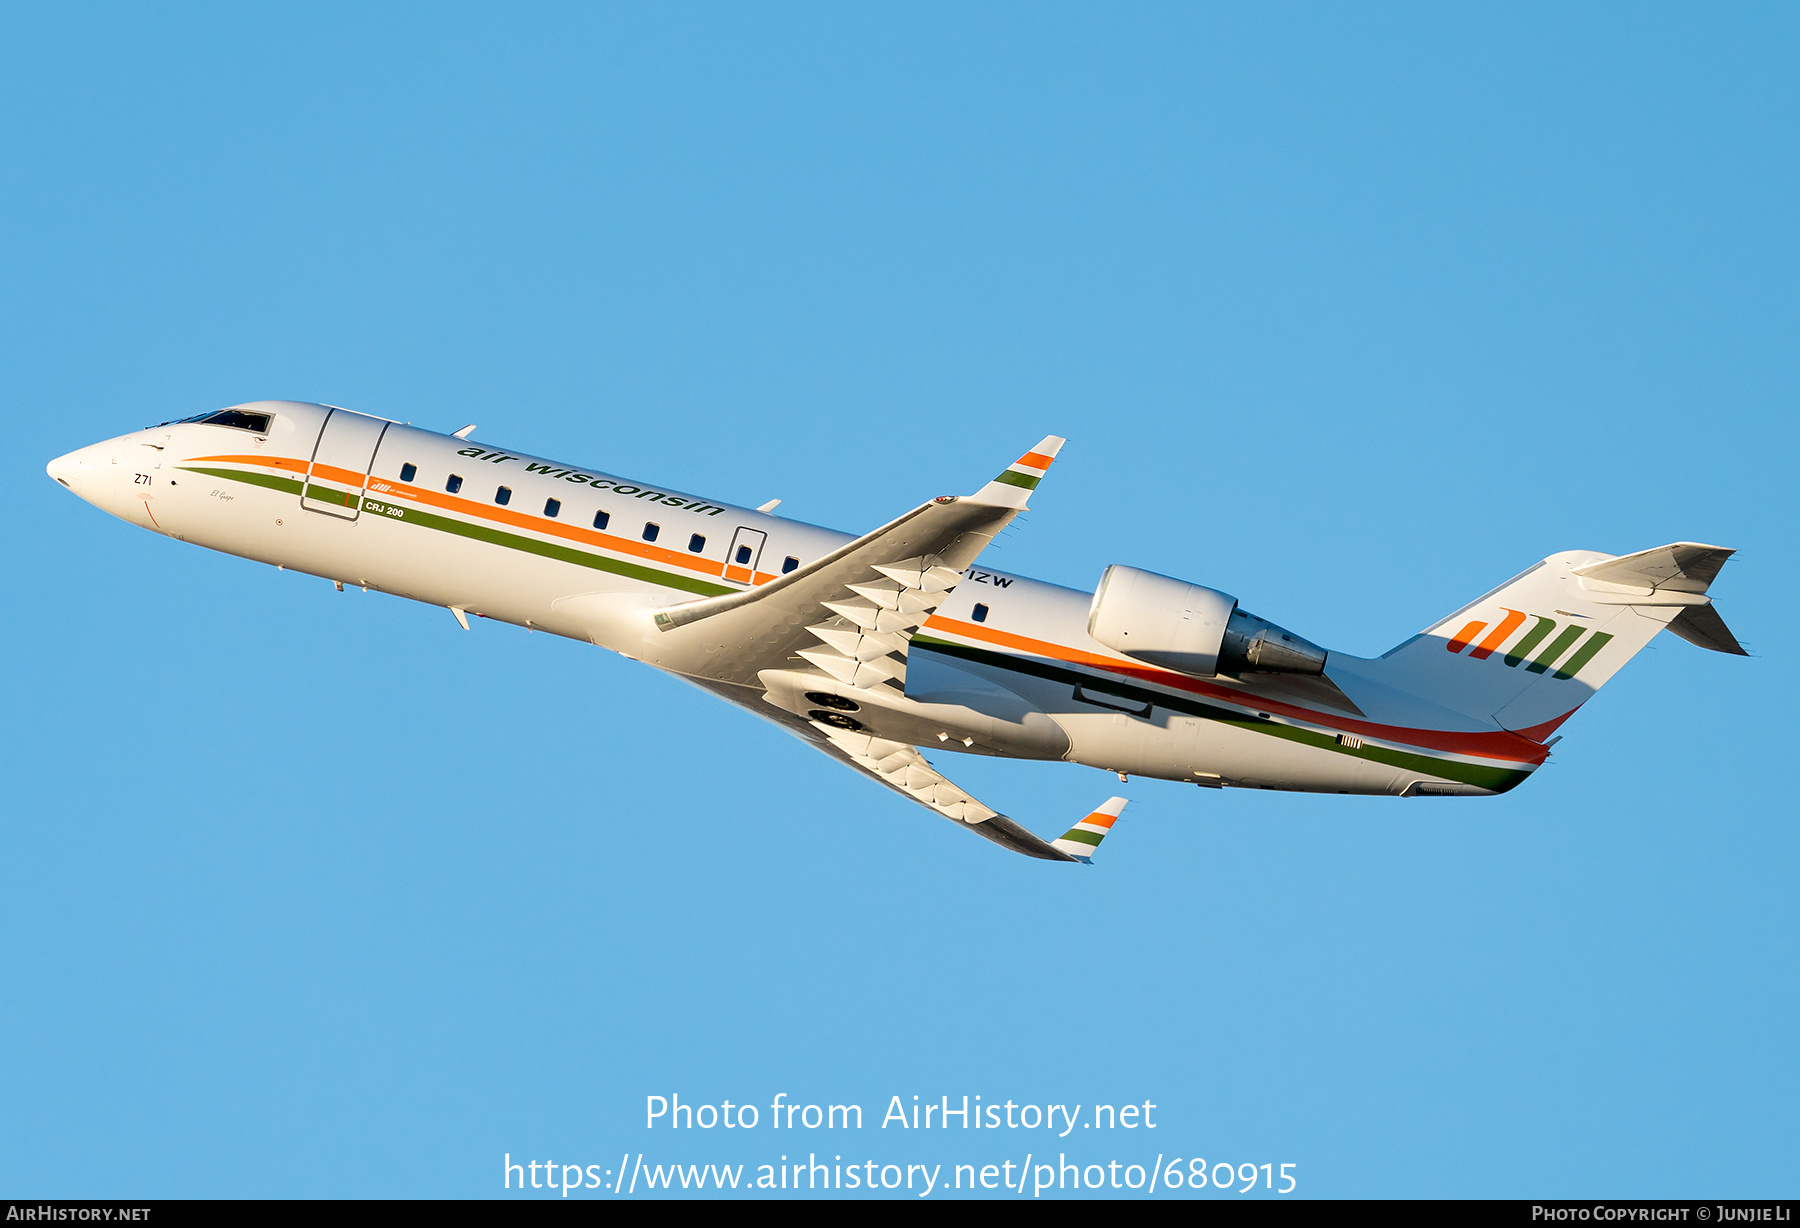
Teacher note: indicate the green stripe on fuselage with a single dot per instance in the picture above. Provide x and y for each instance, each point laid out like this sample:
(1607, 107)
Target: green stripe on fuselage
(495, 537)
(273, 481)
(330, 494)
(1497, 780)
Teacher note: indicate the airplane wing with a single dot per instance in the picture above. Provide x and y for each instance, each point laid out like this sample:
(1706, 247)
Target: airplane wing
(850, 617)
(851, 614)
(904, 770)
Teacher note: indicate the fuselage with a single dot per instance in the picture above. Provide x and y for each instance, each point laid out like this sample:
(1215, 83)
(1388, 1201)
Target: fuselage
(1004, 667)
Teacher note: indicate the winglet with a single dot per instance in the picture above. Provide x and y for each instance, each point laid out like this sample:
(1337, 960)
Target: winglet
(1019, 479)
(1081, 840)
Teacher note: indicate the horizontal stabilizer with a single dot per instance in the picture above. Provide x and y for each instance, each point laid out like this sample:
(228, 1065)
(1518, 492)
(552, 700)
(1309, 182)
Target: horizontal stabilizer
(1681, 567)
(1701, 625)
(1679, 573)
(1082, 840)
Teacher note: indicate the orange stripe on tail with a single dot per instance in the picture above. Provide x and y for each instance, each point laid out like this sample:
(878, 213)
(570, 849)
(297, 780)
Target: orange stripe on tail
(1462, 639)
(1498, 635)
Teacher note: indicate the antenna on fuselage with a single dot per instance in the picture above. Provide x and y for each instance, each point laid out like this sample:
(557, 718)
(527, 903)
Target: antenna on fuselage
(464, 433)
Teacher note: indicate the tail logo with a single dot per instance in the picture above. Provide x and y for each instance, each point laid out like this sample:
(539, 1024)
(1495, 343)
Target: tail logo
(1526, 644)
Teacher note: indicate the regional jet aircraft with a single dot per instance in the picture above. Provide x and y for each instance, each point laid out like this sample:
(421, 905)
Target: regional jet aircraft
(869, 648)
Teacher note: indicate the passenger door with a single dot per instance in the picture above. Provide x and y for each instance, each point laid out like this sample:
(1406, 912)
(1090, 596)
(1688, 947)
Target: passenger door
(746, 550)
(340, 463)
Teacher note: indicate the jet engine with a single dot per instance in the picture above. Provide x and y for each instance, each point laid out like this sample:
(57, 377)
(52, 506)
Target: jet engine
(1192, 630)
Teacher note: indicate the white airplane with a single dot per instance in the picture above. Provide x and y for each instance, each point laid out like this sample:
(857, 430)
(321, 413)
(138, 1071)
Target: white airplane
(871, 647)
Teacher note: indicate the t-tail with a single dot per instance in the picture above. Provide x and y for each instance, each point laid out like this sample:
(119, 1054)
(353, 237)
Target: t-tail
(1531, 652)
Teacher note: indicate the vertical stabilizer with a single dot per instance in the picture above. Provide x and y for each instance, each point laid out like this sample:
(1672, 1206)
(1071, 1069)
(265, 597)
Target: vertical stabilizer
(1529, 653)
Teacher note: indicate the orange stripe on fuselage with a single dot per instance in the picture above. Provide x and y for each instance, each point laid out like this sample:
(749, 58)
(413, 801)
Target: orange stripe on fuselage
(331, 473)
(267, 462)
(537, 524)
(1494, 746)
(343, 477)
(498, 515)
(1506, 746)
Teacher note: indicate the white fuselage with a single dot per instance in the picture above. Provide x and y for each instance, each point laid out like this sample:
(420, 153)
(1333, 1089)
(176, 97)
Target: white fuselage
(1004, 667)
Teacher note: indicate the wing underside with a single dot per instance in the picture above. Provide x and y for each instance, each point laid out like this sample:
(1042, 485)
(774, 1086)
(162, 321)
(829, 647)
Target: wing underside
(848, 619)
(901, 768)
(904, 770)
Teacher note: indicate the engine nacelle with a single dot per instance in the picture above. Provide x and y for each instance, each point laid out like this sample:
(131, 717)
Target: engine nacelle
(1190, 629)
(1167, 622)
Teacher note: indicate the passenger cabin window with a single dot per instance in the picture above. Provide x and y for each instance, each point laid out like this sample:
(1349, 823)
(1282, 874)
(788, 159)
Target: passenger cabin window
(743, 556)
(696, 543)
(601, 519)
(235, 418)
(454, 484)
(788, 564)
(503, 496)
(979, 613)
(552, 507)
(408, 472)
(651, 529)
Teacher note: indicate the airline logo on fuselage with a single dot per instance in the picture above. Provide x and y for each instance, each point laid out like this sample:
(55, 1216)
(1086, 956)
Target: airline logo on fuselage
(1535, 634)
(574, 475)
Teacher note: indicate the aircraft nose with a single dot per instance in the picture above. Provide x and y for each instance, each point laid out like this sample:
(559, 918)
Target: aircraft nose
(64, 468)
(76, 470)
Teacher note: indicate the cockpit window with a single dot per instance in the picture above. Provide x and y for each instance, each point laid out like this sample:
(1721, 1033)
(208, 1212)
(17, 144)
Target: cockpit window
(236, 417)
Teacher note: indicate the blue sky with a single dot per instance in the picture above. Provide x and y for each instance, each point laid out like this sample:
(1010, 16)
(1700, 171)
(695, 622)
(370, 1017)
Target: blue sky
(1351, 312)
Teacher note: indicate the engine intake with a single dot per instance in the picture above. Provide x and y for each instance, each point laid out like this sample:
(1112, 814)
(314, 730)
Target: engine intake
(1191, 629)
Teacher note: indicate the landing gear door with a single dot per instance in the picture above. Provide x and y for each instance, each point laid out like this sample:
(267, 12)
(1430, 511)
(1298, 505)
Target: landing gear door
(340, 463)
(746, 552)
